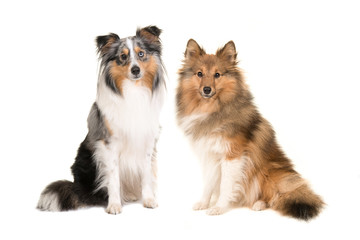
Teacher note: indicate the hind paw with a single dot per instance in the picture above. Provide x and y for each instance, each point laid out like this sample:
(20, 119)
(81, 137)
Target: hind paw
(259, 206)
(114, 208)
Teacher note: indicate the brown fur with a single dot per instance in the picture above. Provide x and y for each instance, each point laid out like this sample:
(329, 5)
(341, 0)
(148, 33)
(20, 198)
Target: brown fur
(108, 128)
(151, 37)
(233, 118)
(151, 67)
(119, 74)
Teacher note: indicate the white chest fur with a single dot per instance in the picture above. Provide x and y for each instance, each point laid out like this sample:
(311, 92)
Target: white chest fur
(211, 145)
(133, 121)
(134, 115)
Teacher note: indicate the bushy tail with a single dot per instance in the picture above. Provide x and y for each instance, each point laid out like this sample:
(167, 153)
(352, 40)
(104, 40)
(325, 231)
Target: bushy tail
(59, 196)
(301, 203)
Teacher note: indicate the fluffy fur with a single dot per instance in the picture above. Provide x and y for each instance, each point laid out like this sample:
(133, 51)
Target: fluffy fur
(242, 161)
(116, 162)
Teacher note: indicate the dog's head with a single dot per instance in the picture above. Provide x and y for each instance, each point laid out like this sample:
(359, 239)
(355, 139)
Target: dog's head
(206, 78)
(135, 58)
(210, 72)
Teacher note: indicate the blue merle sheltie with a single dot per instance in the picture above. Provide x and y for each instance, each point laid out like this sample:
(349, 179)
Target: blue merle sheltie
(116, 162)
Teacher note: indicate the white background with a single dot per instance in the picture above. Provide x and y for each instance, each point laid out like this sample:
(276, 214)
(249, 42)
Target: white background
(300, 58)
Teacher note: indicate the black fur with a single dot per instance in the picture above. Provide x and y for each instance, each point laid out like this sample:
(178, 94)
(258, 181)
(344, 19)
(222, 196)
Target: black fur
(153, 45)
(301, 210)
(110, 82)
(153, 30)
(101, 41)
(156, 82)
(64, 190)
(81, 192)
(84, 171)
(253, 126)
(107, 47)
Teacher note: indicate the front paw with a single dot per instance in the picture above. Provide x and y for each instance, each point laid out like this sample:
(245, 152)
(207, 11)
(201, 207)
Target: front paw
(150, 203)
(200, 206)
(114, 208)
(216, 210)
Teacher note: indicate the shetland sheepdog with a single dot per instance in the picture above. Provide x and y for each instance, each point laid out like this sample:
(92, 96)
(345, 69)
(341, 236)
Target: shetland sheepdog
(116, 162)
(241, 160)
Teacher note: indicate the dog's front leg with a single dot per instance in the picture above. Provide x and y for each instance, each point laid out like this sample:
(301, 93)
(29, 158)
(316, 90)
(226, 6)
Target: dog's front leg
(107, 157)
(211, 180)
(231, 178)
(149, 178)
(114, 201)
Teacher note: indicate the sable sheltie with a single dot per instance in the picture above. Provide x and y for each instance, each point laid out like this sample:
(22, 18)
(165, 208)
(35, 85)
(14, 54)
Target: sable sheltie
(241, 159)
(116, 161)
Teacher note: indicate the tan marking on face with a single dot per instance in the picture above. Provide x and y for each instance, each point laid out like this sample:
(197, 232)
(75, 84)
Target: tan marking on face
(149, 67)
(138, 49)
(125, 51)
(119, 74)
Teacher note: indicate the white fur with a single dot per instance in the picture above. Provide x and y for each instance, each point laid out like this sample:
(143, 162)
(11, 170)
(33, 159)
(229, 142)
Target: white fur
(49, 201)
(133, 61)
(124, 165)
(186, 123)
(209, 151)
(259, 206)
(254, 193)
(231, 185)
(222, 178)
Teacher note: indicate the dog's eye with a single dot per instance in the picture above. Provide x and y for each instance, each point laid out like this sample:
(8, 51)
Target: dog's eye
(199, 74)
(217, 75)
(141, 54)
(123, 56)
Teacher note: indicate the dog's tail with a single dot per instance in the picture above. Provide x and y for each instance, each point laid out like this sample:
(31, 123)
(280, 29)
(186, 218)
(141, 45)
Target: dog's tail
(59, 196)
(301, 203)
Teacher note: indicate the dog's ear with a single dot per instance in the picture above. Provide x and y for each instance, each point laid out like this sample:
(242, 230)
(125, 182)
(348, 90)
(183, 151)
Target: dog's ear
(150, 34)
(228, 52)
(104, 43)
(193, 50)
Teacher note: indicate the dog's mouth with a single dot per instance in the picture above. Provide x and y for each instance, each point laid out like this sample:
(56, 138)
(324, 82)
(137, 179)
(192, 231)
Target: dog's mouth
(135, 77)
(207, 95)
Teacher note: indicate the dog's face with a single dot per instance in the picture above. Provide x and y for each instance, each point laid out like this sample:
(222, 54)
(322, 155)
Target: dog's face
(210, 75)
(134, 58)
(208, 81)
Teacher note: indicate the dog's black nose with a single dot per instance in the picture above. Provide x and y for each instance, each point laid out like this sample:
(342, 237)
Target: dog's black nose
(135, 70)
(207, 90)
